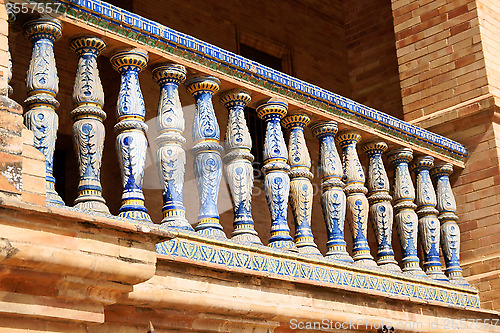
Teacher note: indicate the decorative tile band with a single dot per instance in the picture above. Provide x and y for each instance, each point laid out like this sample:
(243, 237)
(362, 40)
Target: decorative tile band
(320, 271)
(138, 29)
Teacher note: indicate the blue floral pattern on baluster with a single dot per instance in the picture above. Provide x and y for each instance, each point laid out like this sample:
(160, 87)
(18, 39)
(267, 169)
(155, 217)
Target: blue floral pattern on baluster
(88, 128)
(301, 190)
(207, 154)
(450, 232)
(428, 223)
(405, 218)
(239, 171)
(276, 179)
(131, 140)
(381, 212)
(333, 199)
(42, 85)
(171, 158)
(357, 203)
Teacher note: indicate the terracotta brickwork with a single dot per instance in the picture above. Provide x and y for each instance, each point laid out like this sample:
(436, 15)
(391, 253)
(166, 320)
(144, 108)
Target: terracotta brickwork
(440, 56)
(448, 64)
(371, 53)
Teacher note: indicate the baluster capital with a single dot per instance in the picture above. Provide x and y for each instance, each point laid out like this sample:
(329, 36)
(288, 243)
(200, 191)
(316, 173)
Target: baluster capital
(130, 59)
(43, 28)
(324, 128)
(298, 120)
(202, 84)
(87, 45)
(235, 98)
(169, 73)
(272, 109)
(346, 138)
(375, 148)
(400, 155)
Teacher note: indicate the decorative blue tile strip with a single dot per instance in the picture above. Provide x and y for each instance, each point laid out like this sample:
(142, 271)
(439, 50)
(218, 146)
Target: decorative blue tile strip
(258, 259)
(134, 27)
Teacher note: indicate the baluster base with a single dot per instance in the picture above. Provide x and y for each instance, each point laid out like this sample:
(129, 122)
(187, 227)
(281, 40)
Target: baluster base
(135, 215)
(286, 245)
(51, 195)
(457, 278)
(364, 262)
(413, 268)
(338, 253)
(178, 223)
(246, 238)
(92, 206)
(435, 273)
(388, 262)
(245, 234)
(309, 250)
(210, 227)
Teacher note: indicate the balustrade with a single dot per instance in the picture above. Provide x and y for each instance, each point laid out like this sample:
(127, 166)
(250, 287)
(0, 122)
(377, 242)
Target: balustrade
(287, 169)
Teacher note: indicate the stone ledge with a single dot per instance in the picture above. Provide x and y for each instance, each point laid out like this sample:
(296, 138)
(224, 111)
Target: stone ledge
(61, 264)
(255, 260)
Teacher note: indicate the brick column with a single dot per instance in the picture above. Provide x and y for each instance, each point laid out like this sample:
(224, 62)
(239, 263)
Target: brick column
(450, 83)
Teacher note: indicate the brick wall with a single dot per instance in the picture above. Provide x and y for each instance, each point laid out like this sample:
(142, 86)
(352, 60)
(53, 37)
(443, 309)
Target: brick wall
(371, 52)
(489, 26)
(440, 56)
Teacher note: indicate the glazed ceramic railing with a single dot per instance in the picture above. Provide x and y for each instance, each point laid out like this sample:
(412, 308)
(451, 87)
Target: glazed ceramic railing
(337, 120)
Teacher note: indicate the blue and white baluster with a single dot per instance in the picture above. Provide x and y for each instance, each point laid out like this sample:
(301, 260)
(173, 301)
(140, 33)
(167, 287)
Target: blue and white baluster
(301, 190)
(131, 140)
(239, 170)
(42, 85)
(207, 154)
(275, 169)
(88, 127)
(381, 212)
(333, 199)
(428, 223)
(171, 158)
(405, 219)
(450, 232)
(355, 190)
